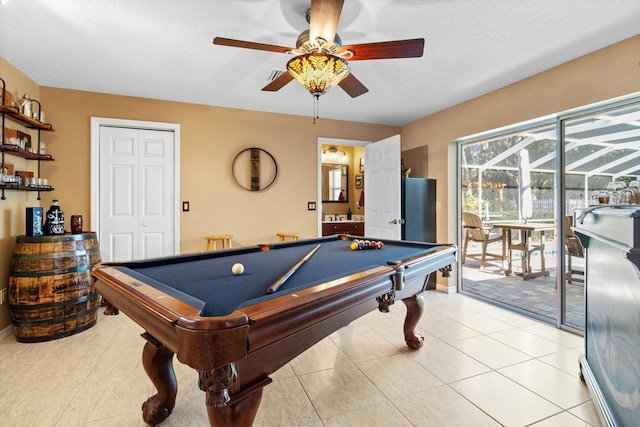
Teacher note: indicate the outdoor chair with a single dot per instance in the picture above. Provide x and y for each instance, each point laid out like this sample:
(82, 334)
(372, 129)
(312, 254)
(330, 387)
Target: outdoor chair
(574, 249)
(476, 231)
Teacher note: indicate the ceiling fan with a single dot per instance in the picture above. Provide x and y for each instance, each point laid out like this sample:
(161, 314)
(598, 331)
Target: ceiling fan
(321, 61)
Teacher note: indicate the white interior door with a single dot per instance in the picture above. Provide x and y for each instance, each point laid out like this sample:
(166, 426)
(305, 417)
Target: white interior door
(137, 208)
(382, 195)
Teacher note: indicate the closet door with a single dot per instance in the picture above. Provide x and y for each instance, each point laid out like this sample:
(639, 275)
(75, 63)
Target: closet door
(137, 175)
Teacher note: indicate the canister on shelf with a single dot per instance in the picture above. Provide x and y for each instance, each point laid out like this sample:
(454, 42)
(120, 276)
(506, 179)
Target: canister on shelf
(25, 107)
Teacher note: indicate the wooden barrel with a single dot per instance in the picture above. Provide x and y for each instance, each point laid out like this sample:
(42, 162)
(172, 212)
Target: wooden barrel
(51, 291)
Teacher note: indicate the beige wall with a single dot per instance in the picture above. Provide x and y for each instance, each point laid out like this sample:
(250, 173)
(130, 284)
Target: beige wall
(211, 137)
(602, 75)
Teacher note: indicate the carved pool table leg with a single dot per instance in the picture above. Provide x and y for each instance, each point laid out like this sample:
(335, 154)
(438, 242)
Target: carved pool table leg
(110, 309)
(241, 410)
(415, 307)
(237, 414)
(158, 363)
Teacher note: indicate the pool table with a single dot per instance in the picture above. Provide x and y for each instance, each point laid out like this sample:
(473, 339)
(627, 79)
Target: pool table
(234, 334)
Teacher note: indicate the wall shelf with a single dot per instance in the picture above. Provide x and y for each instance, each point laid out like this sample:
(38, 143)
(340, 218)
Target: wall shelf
(13, 114)
(16, 151)
(14, 186)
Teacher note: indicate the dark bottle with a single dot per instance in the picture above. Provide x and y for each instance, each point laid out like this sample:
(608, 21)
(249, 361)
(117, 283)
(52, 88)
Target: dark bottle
(54, 223)
(348, 213)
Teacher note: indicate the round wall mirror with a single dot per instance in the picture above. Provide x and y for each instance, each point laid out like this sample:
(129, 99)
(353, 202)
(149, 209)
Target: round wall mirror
(254, 169)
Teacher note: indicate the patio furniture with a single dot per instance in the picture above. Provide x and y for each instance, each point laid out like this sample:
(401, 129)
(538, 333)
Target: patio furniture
(525, 245)
(476, 231)
(574, 249)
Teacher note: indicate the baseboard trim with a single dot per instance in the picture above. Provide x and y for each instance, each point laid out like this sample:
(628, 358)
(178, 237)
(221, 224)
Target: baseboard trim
(447, 289)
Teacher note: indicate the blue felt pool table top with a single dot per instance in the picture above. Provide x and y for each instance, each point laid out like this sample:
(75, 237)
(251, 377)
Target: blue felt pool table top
(206, 281)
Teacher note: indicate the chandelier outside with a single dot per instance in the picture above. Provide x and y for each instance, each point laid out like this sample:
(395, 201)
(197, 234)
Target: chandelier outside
(318, 72)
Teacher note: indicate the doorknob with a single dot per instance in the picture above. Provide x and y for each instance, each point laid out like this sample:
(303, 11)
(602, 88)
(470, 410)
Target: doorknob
(397, 221)
(145, 225)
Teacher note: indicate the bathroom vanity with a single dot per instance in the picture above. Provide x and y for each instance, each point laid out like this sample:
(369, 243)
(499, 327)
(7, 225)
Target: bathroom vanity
(354, 228)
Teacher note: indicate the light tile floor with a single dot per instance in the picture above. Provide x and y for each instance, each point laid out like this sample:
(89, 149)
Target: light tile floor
(480, 366)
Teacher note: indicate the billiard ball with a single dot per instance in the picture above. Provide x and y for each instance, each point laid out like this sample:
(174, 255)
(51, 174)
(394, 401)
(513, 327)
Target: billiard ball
(379, 245)
(237, 268)
(354, 246)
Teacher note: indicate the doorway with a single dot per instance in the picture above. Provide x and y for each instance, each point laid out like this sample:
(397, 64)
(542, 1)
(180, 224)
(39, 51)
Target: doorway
(135, 181)
(382, 210)
(353, 171)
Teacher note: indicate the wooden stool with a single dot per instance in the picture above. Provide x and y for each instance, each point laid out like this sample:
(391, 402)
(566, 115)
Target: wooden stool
(224, 238)
(284, 234)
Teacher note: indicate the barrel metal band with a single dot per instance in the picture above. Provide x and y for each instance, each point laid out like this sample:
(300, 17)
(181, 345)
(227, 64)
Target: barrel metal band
(59, 304)
(53, 272)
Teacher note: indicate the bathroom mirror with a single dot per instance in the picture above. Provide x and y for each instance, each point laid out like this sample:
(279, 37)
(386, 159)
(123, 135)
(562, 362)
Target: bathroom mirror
(335, 183)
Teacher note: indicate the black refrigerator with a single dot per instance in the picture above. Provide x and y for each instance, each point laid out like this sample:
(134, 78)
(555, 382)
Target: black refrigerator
(418, 210)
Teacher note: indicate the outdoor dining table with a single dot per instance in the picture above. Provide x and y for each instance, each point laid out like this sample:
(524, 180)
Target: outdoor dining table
(525, 245)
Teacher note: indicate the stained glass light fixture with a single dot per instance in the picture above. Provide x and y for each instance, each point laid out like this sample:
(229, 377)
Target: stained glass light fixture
(318, 66)
(318, 72)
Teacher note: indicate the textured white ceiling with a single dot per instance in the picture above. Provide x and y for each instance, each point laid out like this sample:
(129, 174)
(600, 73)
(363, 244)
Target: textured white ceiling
(163, 49)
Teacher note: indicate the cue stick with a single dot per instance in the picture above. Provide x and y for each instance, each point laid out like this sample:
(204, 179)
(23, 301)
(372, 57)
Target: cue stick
(276, 285)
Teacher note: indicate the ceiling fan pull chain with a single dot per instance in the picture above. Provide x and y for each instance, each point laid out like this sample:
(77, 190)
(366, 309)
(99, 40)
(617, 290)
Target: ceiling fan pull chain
(316, 108)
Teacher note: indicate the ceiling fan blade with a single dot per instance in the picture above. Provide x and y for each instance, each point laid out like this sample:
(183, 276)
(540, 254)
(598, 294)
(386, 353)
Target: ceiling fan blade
(353, 86)
(411, 48)
(324, 19)
(250, 45)
(278, 83)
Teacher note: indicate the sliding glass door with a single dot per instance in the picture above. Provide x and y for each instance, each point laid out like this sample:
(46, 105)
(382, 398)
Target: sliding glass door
(508, 183)
(520, 191)
(601, 166)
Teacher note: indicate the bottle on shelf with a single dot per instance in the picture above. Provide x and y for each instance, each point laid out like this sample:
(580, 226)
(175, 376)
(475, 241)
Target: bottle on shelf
(25, 107)
(349, 214)
(54, 223)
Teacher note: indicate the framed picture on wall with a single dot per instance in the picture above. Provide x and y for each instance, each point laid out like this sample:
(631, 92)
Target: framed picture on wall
(361, 164)
(359, 181)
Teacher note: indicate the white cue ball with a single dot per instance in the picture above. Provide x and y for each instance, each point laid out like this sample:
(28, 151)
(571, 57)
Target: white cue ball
(237, 268)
